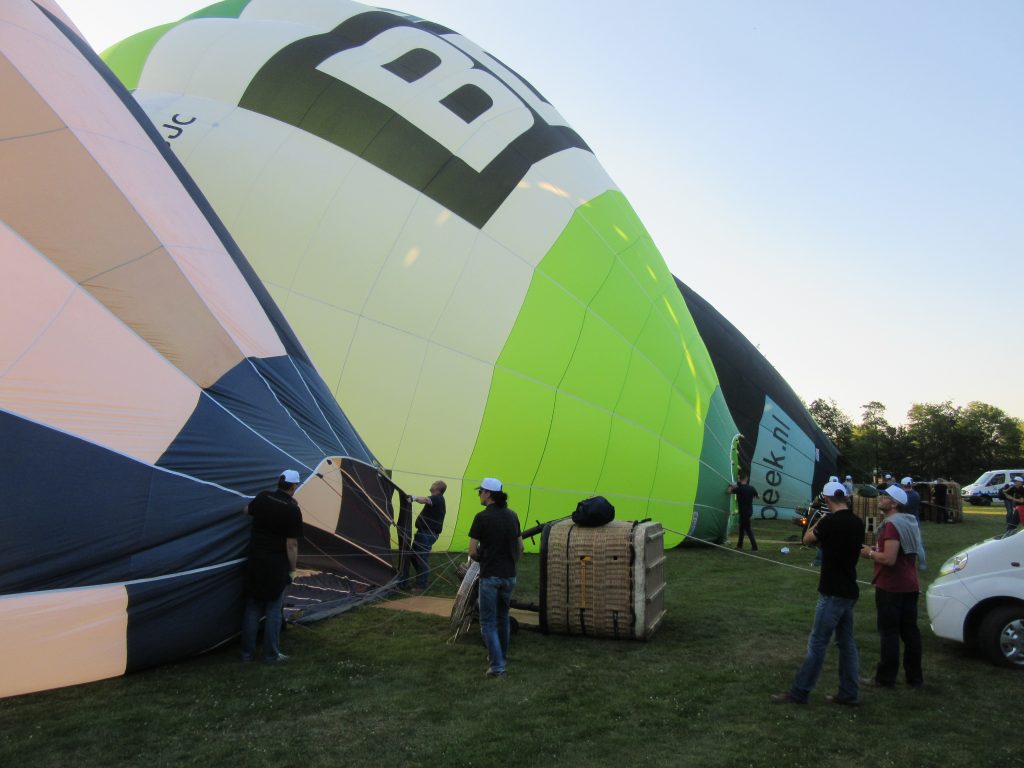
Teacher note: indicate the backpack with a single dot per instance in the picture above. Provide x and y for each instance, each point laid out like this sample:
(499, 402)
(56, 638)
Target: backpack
(593, 512)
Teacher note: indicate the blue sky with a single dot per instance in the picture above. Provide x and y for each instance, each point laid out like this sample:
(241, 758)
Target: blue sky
(843, 181)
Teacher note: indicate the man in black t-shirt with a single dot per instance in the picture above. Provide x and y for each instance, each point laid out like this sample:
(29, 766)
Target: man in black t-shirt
(273, 556)
(1015, 494)
(840, 535)
(745, 495)
(496, 543)
(428, 528)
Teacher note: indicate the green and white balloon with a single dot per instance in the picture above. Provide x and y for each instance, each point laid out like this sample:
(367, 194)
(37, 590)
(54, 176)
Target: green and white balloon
(465, 275)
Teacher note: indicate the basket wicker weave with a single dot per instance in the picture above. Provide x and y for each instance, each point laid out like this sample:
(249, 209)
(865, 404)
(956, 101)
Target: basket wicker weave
(606, 581)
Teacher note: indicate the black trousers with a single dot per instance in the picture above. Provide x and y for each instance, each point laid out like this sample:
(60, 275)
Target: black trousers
(897, 620)
(745, 528)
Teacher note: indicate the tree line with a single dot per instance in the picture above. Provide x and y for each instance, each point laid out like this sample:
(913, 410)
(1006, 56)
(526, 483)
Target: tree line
(939, 440)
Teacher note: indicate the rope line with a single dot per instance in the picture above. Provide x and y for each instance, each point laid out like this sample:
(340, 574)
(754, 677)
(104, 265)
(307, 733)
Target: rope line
(732, 549)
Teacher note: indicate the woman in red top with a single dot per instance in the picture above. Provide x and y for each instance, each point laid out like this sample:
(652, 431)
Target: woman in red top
(896, 592)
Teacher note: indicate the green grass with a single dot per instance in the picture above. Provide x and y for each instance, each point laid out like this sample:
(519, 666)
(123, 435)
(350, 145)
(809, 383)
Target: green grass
(382, 688)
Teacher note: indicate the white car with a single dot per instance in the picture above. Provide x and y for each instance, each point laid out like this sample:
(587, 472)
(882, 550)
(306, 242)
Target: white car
(978, 599)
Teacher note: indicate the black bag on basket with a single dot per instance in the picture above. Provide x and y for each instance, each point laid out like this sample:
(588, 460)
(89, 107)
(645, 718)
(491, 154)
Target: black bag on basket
(592, 512)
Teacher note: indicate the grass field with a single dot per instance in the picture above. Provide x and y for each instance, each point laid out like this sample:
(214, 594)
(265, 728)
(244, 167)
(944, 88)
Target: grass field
(383, 688)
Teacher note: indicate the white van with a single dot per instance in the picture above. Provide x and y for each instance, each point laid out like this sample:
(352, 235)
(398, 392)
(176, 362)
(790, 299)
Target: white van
(978, 599)
(985, 489)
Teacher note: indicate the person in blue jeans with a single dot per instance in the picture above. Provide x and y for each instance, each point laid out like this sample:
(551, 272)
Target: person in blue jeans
(428, 528)
(841, 536)
(495, 541)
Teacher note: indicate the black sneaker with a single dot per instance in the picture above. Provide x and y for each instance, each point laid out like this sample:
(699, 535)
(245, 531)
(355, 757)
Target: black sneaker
(496, 675)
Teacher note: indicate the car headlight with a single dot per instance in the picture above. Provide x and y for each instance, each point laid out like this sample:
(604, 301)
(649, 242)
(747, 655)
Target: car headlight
(955, 564)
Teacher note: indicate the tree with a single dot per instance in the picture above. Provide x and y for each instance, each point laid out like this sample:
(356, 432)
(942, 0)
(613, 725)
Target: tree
(833, 421)
(988, 437)
(932, 430)
(939, 440)
(872, 437)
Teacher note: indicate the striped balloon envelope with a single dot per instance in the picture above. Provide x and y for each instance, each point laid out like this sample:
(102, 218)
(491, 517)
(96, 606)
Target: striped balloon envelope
(470, 282)
(148, 388)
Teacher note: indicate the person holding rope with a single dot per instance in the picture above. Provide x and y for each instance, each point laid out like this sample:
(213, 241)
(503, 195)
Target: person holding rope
(273, 556)
(496, 543)
(428, 528)
(840, 535)
(745, 494)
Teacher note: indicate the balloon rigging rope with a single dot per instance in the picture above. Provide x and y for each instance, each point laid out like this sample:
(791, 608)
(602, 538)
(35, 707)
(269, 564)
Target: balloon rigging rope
(341, 470)
(733, 550)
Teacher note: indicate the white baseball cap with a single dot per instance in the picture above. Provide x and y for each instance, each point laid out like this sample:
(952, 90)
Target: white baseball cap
(291, 477)
(897, 494)
(490, 484)
(833, 478)
(906, 481)
(849, 477)
(887, 476)
(833, 489)
(1018, 479)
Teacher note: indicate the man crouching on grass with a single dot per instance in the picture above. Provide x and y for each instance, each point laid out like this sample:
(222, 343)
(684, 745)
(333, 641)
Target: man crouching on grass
(840, 536)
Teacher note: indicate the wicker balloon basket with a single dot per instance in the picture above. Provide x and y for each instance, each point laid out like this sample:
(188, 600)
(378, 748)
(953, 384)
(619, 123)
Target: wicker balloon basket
(607, 581)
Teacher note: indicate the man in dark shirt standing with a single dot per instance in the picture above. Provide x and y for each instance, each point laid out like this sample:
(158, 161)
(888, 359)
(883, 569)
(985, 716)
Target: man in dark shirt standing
(840, 535)
(495, 542)
(273, 555)
(1015, 495)
(745, 495)
(913, 498)
(428, 528)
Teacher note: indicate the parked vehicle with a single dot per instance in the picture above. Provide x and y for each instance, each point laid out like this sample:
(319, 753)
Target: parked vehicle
(985, 489)
(978, 599)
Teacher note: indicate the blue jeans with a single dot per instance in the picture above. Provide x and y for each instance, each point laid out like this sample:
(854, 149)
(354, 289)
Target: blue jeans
(254, 610)
(833, 615)
(422, 543)
(495, 598)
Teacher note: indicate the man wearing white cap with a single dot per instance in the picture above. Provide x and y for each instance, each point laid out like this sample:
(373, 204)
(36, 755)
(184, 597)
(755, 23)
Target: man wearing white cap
(496, 543)
(913, 506)
(895, 556)
(848, 485)
(1015, 494)
(840, 536)
(273, 556)
(886, 482)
